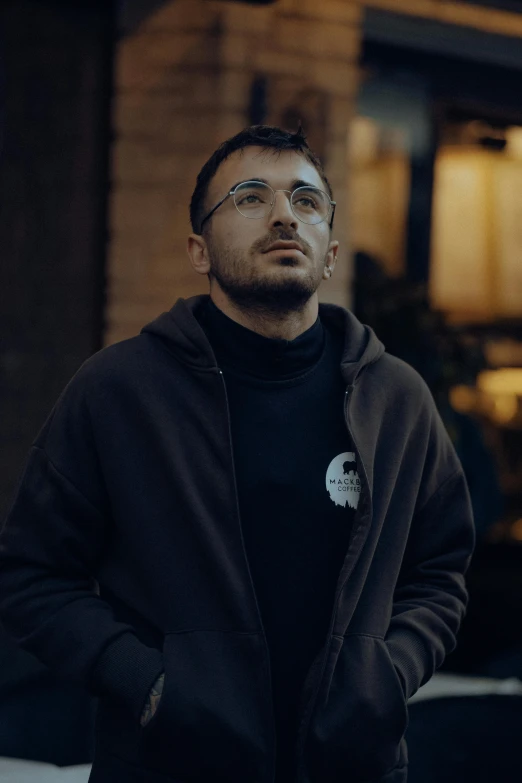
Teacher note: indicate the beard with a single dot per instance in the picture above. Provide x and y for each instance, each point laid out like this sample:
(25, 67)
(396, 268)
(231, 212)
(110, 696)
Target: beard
(258, 291)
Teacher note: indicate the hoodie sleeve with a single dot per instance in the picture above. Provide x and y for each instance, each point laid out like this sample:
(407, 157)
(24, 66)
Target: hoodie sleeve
(430, 597)
(51, 545)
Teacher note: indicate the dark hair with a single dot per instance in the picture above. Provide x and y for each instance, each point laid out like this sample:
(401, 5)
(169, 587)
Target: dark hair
(267, 136)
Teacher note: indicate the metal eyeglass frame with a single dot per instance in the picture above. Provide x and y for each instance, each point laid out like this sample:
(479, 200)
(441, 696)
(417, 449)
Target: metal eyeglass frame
(232, 192)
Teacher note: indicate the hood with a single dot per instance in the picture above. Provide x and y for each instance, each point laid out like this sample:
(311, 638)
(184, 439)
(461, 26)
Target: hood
(179, 329)
(361, 345)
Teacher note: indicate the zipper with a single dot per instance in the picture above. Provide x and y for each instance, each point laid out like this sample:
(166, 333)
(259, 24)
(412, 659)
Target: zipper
(274, 738)
(308, 711)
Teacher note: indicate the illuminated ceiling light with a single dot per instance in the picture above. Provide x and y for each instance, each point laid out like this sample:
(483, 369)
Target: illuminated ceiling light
(463, 398)
(507, 380)
(505, 408)
(476, 274)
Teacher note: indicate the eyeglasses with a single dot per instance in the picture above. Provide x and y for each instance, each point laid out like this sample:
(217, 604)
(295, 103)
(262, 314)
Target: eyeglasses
(255, 200)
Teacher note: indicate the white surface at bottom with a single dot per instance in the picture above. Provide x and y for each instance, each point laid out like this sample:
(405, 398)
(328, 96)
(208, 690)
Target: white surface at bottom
(18, 771)
(446, 684)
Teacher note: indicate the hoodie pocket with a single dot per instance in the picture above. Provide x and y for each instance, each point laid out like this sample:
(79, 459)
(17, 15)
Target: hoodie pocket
(214, 719)
(361, 715)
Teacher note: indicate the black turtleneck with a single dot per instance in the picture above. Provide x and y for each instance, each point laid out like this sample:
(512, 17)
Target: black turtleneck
(297, 494)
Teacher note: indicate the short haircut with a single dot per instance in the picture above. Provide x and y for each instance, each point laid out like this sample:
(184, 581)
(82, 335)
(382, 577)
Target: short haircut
(267, 136)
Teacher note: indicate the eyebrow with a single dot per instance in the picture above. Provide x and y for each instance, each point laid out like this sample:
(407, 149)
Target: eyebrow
(296, 183)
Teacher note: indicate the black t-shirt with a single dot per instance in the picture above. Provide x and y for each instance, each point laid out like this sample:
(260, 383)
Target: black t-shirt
(298, 490)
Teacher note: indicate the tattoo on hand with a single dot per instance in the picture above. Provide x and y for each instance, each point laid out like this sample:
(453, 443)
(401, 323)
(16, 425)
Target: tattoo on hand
(153, 700)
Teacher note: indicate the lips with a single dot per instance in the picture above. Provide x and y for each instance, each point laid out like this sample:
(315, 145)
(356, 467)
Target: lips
(284, 245)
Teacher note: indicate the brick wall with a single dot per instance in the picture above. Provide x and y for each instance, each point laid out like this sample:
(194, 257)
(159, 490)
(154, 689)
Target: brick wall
(183, 81)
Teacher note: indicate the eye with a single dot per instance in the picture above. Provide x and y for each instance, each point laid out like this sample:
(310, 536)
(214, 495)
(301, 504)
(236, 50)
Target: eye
(307, 201)
(252, 195)
(249, 198)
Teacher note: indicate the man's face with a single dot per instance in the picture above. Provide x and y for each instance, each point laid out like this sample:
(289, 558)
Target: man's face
(242, 262)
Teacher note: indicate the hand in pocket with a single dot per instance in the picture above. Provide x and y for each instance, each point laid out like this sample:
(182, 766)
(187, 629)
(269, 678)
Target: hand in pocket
(153, 700)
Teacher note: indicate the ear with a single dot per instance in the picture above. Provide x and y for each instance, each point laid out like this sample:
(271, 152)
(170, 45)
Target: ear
(198, 254)
(330, 260)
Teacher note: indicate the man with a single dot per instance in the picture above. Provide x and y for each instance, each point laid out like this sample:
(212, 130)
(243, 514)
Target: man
(245, 529)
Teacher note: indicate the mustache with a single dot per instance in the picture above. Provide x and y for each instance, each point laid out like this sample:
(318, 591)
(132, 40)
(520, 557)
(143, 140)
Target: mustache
(260, 245)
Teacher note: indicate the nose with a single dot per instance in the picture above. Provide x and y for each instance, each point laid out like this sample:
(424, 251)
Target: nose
(281, 214)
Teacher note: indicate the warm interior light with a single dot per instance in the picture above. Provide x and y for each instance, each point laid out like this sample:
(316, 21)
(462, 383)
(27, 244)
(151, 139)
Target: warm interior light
(503, 352)
(507, 380)
(503, 387)
(514, 142)
(515, 530)
(505, 408)
(380, 189)
(477, 232)
(463, 398)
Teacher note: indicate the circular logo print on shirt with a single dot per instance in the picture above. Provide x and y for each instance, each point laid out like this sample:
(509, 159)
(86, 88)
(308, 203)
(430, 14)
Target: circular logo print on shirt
(342, 480)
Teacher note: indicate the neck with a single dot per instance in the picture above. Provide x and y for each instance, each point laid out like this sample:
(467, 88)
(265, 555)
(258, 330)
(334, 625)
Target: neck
(282, 326)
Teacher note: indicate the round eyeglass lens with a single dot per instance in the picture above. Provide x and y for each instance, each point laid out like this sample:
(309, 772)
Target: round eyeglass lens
(253, 199)
(310, 204)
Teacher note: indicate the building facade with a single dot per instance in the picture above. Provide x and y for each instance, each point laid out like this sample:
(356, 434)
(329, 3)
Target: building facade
(190, 73)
